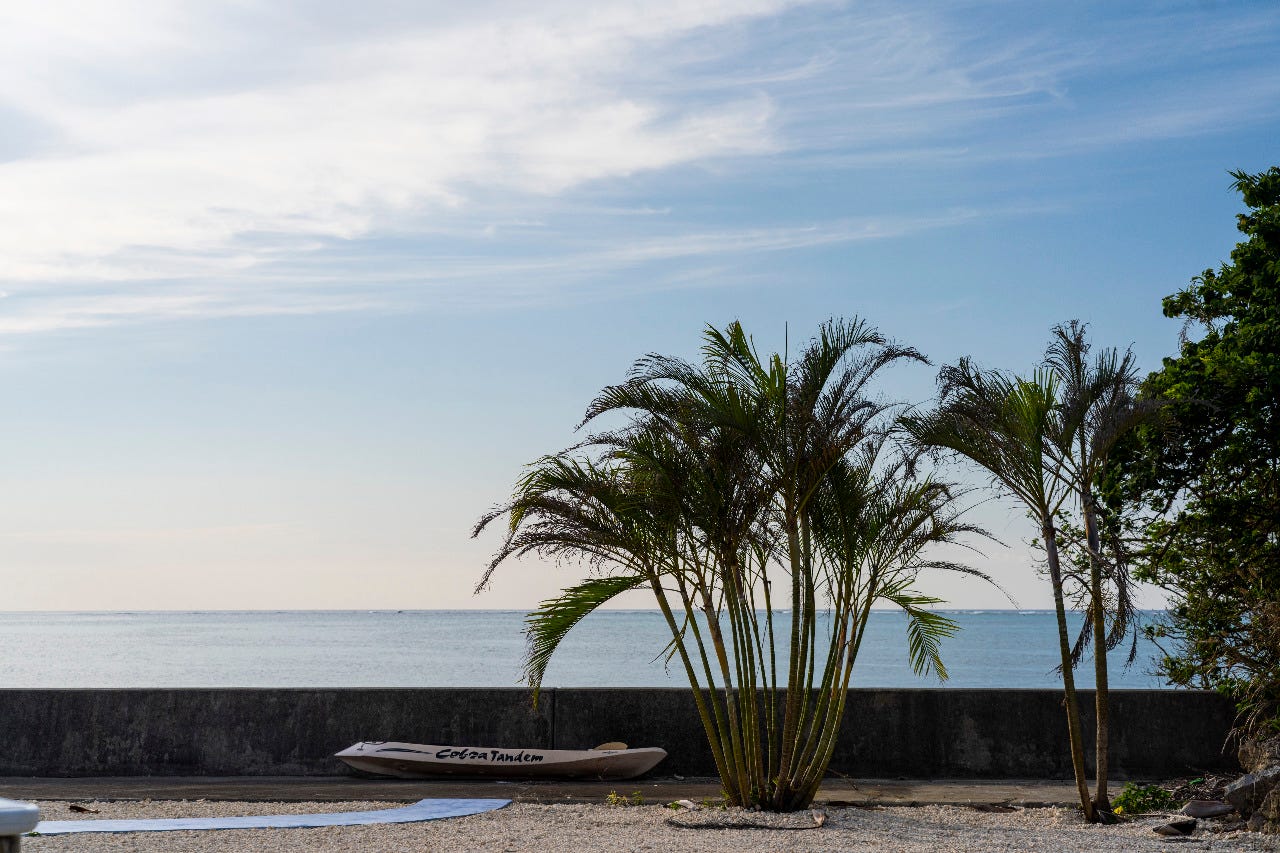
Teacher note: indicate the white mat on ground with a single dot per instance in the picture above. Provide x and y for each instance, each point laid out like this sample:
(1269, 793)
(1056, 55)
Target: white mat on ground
(419, 811)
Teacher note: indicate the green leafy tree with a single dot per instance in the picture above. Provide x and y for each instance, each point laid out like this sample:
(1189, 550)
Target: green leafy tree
(742, 491)
(1210, 473)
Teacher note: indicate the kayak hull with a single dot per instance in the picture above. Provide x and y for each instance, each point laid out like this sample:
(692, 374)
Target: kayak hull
(427, 761)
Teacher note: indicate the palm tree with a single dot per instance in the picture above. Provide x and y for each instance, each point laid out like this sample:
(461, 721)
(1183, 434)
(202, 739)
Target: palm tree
(741, 490)
(1017, 430)
(1101, 399)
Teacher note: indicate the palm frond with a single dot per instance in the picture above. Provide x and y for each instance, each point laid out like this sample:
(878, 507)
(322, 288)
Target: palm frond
(547, 626)
(926, 629)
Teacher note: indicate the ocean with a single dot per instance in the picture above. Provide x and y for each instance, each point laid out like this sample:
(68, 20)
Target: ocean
(474, 648)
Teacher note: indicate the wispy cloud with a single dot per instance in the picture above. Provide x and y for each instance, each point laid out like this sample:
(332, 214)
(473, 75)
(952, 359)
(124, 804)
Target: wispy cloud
(58, 311)
(127, 536)
(969, 83)
(190, 159)
(355, 135)
(342, 277)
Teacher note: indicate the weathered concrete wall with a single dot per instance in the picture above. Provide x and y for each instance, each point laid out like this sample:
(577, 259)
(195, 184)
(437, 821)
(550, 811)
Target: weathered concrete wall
(931, 733)
(928, 733)
(243, 732)
(1023, 733)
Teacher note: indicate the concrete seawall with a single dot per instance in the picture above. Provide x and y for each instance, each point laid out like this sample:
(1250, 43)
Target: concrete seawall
(925, 733)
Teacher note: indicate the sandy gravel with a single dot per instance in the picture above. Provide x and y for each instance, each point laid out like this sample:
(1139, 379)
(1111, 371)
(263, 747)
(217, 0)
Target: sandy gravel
(581, 828)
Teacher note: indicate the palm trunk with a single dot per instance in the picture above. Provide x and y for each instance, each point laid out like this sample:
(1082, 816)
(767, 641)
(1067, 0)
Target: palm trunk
(1102, 690)
(736, 759)
(1068, 677)
(704, 712)
(721, 733)
(841, 669)
(791, 712)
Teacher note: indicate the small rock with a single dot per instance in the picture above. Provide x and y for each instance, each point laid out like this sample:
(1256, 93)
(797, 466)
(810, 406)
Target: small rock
(1176, 828)
(1248, 792)
(1207, 808)
(1233, 824)
(1256, 823)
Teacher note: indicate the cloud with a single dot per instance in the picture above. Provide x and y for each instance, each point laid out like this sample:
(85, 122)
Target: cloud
(192, 159)
(343, 282)
(128, 536)
(356, 135)
(973, 83)
(61, 311)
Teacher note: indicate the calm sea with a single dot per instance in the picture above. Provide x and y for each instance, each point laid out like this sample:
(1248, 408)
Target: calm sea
(468, 648)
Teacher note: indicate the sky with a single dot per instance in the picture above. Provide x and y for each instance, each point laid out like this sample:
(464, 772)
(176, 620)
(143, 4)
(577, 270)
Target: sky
(290, 292)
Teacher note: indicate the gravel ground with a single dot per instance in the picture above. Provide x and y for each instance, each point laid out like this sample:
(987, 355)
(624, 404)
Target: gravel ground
(582, 828)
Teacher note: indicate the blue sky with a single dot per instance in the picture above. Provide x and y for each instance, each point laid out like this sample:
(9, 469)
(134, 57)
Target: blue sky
(292, 290)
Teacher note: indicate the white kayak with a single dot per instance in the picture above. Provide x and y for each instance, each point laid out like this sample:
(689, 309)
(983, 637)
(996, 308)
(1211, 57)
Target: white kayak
(418, 760)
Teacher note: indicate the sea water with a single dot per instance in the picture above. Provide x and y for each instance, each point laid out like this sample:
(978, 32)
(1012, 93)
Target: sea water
(480, 648)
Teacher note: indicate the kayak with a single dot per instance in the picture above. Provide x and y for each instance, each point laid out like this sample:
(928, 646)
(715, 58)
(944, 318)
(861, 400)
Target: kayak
(418, 761)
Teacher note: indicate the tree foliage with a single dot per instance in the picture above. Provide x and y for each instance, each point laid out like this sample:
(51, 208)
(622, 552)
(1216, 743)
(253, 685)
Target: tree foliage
(1100, 405)
(1021, 432)
(1045, 439)
(1211, 471)
(764, 504)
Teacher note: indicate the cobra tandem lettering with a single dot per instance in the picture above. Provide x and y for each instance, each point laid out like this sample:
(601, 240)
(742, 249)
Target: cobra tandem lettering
(497, 756)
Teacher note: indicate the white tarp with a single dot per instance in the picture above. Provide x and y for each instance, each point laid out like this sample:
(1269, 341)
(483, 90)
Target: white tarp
(419, 811)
